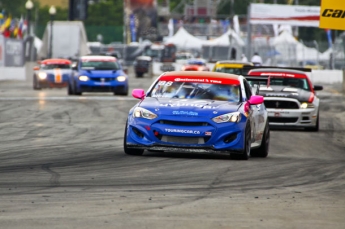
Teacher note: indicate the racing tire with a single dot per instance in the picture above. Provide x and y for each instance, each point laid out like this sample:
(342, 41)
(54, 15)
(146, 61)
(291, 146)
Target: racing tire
(130, 151)
(247, 145)
(139, 74)
(263, 150)
(36, 85)
(70, 89)
(316, 127)
(75, 91)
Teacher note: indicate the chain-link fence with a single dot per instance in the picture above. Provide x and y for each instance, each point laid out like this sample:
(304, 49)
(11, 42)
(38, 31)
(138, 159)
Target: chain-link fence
(273, 51)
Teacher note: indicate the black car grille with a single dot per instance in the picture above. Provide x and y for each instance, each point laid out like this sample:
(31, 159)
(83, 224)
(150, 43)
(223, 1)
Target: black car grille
(178, 123)
(281, 104)
(85, 88)
(282, 120)
(183, 140)
(102, 79)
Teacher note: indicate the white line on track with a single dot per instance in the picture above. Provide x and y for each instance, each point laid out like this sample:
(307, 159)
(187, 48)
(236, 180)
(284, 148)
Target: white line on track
(66, 98)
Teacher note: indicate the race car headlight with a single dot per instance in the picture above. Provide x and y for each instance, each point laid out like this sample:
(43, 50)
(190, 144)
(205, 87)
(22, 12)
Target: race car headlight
(121, 78)
(307, 105)
(143, 113)
(229, 117)
(42, 75)
(83, 78)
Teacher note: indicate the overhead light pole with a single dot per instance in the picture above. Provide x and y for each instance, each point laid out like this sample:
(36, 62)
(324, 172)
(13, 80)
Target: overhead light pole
(52, 12)
(28, 6)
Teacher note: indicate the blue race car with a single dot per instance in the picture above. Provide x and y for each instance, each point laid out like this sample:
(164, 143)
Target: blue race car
(190, 111)
(98, 74)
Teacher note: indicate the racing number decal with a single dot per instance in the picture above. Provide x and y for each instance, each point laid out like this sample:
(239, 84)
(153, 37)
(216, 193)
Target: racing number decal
(165, 83)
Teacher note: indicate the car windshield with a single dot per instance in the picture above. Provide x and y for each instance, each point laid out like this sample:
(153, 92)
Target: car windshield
(153, 52)
(237, 71)
(289, 82)
(199, 90)
(100, 65)
(182, 56)
(53, 66)
(196, 62)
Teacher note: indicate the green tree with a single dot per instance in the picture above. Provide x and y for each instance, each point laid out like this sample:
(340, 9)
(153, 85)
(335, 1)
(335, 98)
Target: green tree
(105, 18)
(15, 8)
(107, 12)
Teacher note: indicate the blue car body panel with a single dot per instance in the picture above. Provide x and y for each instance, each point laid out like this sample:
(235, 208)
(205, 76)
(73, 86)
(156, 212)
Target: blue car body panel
(51, 77)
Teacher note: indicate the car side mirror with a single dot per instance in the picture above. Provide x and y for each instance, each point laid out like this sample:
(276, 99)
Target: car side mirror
(318, 87)
(36, 68)
(256, 100)
(74, 66)
(138, 93)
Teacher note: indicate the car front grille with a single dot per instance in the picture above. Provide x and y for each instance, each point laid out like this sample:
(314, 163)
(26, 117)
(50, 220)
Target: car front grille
(184, 140)
(100, 79)
(179, 123)
(282, 120)
(281, 104)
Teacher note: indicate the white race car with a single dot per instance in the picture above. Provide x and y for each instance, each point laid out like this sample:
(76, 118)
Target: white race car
(290, 97)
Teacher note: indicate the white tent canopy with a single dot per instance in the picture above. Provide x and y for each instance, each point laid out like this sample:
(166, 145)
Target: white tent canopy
(291, 49)
(184, 40)
(225, 39)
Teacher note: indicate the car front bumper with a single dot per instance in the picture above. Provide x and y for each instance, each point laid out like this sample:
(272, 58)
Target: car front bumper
(92, 86)
(293, 117)
(199, 135)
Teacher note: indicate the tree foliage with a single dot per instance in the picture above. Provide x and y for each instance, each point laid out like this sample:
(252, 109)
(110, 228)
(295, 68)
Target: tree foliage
(15, 8)
(107, 12)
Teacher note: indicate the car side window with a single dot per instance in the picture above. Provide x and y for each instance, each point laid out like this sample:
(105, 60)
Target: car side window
(248, 89)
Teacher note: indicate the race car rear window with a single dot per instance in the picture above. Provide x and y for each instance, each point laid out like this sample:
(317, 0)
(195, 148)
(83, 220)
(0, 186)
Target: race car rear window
(237, 71)
(197, 88)
(100, 65)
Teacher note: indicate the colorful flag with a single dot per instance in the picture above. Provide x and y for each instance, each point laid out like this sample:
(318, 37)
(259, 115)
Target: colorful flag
(6, 24)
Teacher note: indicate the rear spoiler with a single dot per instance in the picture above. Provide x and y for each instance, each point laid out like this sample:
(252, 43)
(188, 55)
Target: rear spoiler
(248, 68)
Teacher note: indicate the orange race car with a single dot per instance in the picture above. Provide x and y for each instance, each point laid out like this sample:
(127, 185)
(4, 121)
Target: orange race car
(195, 65)
(52, 73)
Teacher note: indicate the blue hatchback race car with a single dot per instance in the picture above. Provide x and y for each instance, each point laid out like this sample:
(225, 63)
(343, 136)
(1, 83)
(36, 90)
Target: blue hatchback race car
(206, 112)
(98, 74)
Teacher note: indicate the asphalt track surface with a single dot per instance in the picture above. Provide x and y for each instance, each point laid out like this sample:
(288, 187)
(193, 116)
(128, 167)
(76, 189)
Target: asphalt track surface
(62, 165)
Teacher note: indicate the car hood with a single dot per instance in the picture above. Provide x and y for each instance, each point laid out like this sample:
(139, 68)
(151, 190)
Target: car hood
(286, 92)
(188, 107)
(102, 73)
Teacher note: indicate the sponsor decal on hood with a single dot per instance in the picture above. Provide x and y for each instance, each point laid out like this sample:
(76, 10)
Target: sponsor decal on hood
(188, 107)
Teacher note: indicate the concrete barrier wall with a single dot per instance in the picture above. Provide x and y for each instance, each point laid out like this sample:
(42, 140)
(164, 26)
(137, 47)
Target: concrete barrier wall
(327, 77)
(12, 73)
(18, 73)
